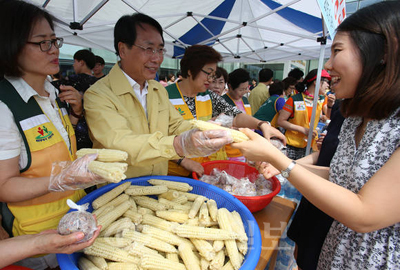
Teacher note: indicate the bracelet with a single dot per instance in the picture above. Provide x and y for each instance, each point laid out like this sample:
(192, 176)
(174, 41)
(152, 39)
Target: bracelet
(179, 161)
(262, 122)
(71, 111)
(330, 107)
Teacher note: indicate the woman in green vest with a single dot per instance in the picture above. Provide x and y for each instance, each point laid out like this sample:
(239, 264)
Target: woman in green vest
(193, 100)
(238, 86)
(35, 129)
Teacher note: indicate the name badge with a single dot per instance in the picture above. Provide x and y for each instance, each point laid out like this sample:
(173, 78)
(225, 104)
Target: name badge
(299, 106)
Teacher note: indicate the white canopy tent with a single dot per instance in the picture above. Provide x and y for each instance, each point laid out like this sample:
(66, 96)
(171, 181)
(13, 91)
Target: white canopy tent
(247, 31)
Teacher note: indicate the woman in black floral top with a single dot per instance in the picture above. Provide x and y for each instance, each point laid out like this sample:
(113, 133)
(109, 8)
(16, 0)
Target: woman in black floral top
(362, 192)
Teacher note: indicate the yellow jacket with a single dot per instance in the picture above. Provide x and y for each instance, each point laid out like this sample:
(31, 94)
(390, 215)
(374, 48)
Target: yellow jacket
(117, 120)
(258, 96)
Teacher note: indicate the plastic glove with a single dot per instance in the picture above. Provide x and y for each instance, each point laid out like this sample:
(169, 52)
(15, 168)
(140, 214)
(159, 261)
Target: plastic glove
(195, 143)
(73, 175)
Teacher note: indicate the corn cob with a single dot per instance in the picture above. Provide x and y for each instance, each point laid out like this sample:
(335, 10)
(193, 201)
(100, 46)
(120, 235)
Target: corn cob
(146, 190)
(171, 184)
(112, 172)
(237, 222)
(189, 258)
(97, 261)
(112, 216)
(114, 241)
(170, 204)
(196, 207)
(150, 203)
(172, 257)
(203, 214)
(218, 261)
(133, 204)
(108, 196)
(242, 247)
(173, 216)
(154, 263)
(207, 223)
(192, 196)
(158, 223)
(134, 216)
(103, 210)
(138, 249)
(150, 241)
(110, 253)
(224, 221)
(212, 209)
(182, 199)
(169, 195)
(122, 266)
(237, 136)
(86, 264)
(145, 211)
(218, 245)
(205, 248)
(118, 200)
(107, 155)
(204, 264)
(117, 226)
(165, 236)
(204, 233)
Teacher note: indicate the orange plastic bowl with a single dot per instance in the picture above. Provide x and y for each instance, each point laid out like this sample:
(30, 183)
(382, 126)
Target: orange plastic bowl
(240, 170)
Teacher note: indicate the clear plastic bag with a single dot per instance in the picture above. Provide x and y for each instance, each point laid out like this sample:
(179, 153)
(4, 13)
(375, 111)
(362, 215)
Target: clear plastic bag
(73, 175)
(224, 120)
(78, 221)
(239, 187)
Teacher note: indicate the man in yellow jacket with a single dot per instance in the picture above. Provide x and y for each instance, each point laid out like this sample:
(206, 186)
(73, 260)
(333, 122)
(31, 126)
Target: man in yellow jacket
(260, 93)
(128, 110)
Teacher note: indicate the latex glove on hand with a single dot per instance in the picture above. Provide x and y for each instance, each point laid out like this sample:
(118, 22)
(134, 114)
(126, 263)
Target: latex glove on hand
(67, 175)
(195, 143)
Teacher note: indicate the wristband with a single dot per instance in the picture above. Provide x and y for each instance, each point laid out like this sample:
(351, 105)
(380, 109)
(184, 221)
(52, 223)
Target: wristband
(179, 161)
(71, 111)
(262, 122)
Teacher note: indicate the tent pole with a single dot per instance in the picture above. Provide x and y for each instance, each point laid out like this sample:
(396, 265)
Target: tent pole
(317, 86)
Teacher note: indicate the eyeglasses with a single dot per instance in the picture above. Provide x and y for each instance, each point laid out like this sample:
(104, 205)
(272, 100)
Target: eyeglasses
(150, 52)
(45, 45)
(210, 75)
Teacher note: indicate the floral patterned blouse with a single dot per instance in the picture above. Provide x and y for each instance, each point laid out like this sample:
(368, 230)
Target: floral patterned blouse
(351, 168)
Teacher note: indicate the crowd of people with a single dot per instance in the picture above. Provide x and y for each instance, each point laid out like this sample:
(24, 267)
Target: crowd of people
(348, 217)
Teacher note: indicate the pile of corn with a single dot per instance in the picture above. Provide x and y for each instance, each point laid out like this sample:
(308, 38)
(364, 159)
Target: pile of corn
(108, 163)
(179, 230)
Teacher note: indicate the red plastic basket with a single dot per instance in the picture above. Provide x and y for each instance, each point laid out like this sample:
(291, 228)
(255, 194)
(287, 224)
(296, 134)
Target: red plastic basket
(240, 170)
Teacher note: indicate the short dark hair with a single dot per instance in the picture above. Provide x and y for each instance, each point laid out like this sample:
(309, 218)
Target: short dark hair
(375, 31)
(99, 60)
(265, 75)
(221, 72)
(125, 28)
(296, 73)
(86, 56)
(238, 76)
(288, 81)
(196, 57)
(17, 18)
(276, 88)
